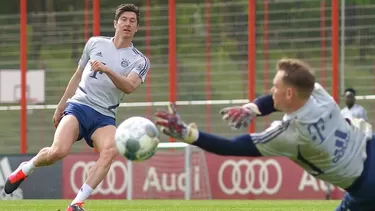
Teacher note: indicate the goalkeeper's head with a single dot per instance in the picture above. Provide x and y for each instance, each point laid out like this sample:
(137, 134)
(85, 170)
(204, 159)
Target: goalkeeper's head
(292, 85)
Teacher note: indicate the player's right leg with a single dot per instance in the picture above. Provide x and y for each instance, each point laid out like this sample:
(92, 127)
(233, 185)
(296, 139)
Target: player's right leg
(66, 134)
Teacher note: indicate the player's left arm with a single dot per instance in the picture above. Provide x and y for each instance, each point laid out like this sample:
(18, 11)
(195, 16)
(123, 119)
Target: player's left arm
(241, 116)
(265, 103)
(129, 83)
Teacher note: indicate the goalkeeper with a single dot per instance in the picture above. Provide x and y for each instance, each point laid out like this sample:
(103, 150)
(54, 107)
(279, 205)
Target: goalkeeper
(312, 133)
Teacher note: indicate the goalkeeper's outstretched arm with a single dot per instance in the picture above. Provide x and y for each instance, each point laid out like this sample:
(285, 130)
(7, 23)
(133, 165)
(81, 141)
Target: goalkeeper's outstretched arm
(172, 125)
(238, 146)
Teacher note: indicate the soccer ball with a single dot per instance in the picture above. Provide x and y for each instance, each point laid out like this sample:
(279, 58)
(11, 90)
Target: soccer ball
(137, 138)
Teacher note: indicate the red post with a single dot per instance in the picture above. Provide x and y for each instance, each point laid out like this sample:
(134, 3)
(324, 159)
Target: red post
(323, 43)
(23, 67)
(251, 54)
(86, 20)
(266, 53)
(96, 14)
(335, 50)
(335, 55)
(172, 51)
(148, 53)
(208, 64)
(96, 23)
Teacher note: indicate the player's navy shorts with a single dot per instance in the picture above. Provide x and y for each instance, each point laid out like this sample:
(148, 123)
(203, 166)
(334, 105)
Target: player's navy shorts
(361, 195)
(89, 120)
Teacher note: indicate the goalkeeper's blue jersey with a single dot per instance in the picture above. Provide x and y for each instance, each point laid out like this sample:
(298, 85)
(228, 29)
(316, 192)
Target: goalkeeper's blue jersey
(319, 139)
(96, 89)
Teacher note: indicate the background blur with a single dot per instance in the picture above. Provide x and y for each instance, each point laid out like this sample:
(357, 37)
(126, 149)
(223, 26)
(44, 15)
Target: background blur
(211, 55)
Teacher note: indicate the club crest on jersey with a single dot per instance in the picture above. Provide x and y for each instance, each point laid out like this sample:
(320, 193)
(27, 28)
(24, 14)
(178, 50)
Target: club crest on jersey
(125, 63)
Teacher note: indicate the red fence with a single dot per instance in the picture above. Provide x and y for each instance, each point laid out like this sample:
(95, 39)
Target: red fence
(260, 24)
(211, 55)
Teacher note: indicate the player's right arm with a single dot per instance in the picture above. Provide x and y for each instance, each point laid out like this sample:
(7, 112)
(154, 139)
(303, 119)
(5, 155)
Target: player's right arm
(73, 82)
(69, 92)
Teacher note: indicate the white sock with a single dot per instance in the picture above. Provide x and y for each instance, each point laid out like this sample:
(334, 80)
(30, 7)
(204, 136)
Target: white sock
(28, 167)
(83, 194)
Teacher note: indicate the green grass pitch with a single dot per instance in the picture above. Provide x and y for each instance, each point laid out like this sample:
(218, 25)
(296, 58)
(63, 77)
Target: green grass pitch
(173, 205)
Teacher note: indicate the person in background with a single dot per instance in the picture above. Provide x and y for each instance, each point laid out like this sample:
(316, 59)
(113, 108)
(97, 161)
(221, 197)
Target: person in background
(352, 109)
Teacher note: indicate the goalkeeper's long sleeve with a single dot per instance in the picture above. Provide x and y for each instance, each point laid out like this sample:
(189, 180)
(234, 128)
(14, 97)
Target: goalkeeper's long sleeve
(265, 104)
(238, 146)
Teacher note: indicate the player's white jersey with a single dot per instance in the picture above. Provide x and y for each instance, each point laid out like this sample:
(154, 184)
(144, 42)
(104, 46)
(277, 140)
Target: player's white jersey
(356, 111)
(319, 139)
(96, 89)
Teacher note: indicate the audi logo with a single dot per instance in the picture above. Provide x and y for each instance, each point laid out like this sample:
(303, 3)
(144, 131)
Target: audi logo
(262, 176)
(107, 186)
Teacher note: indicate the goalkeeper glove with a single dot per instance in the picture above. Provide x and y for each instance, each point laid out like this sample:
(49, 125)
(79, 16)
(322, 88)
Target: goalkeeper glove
(171, 124)
(240, 116)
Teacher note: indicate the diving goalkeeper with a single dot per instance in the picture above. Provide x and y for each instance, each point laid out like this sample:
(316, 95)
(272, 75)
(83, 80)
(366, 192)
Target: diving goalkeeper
(312, 133)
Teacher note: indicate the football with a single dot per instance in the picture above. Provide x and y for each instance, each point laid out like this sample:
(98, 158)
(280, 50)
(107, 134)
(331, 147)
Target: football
(137, 138)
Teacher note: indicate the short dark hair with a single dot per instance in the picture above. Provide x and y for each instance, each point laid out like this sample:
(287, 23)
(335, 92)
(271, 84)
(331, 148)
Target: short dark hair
(127, 8)
(297, 74)
(351, 90)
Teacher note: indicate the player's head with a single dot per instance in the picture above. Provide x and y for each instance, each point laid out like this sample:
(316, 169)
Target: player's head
(292, 85)
(126, 20)
(350, 97)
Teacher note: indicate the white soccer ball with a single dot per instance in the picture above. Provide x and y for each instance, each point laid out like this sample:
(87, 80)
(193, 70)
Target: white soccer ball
(137, 138)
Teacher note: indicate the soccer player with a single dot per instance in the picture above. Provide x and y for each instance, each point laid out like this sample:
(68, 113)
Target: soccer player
(312, 133)
(353, 109)
(108, 69)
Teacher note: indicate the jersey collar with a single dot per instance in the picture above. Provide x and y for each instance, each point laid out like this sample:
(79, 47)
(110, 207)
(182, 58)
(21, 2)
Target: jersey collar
(130, 47)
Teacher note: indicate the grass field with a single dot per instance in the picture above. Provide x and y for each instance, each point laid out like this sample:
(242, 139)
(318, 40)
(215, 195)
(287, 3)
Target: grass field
(172, 205)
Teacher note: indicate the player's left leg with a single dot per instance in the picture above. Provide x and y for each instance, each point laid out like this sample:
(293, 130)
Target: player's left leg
(103, 140)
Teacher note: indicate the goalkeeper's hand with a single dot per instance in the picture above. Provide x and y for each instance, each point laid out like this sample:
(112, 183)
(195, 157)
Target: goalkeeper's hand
(240, 116)
(171, 124)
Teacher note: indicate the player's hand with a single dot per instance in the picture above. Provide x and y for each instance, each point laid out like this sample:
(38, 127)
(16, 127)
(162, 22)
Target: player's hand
(98, 66)
(240, 116)
(171, 124)
(57, 116)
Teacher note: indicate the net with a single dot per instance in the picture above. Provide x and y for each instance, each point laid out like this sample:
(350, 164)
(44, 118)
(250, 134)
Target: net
(164, 176)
